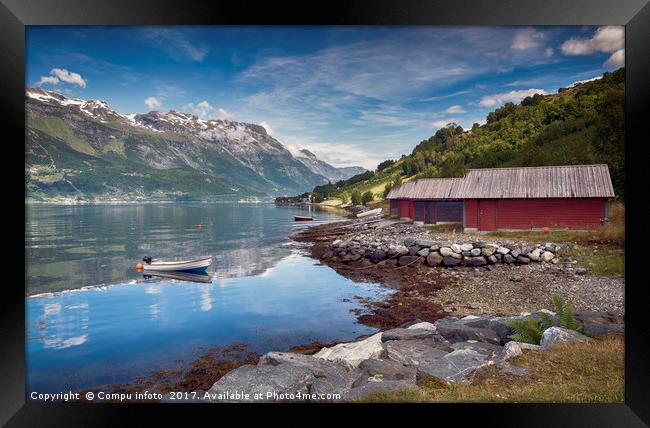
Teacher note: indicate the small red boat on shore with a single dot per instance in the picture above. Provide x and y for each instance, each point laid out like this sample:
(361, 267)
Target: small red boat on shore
(302, 218)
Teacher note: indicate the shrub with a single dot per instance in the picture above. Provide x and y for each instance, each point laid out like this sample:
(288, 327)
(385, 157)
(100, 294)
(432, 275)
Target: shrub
(530, 330)
(367, 197)
(356, 197)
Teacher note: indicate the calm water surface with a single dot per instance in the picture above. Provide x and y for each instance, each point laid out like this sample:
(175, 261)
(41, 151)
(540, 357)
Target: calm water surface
(264, 291)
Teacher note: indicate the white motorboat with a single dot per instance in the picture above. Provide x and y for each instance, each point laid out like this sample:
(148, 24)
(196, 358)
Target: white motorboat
(176, 266)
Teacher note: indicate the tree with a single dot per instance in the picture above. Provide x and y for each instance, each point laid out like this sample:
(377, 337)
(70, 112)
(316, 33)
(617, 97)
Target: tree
(387, 189)
(385, 164)
(398, 180)
(356, 197)
(344, 198)
(367, 197)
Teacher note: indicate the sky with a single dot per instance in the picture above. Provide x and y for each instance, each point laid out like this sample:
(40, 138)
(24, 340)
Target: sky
(352, 95)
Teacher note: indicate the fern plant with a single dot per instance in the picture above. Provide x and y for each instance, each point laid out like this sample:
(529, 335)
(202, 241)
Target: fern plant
(527, 330)
(566, 314)
(530, 330)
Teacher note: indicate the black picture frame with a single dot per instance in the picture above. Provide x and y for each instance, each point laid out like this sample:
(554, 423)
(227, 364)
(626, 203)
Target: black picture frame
(634, 14)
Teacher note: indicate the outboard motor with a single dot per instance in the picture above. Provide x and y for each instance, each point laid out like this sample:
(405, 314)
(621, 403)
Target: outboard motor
(147, 259)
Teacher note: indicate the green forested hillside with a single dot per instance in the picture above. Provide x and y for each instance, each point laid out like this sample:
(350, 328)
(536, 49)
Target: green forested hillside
(583, 124)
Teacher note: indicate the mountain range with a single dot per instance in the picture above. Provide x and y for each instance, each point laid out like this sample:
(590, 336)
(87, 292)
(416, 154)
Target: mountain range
(84, 150)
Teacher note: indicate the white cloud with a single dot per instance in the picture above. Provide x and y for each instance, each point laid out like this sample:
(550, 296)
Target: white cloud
(176, 43)
(616, 60)
(548, 52)
(444, 122)
(67, 76)
(50, 80)
(586, 80)
(605, 40)
(512, 96)
(223, 114)
(454, 110)
(206, 111)
(264, 124)
(153, 103)
(527, 38)
(58, 75)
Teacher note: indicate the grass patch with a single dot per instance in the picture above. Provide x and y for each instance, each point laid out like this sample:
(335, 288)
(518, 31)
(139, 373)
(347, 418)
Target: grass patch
(573, 372)
(600, 259)
(445, 227)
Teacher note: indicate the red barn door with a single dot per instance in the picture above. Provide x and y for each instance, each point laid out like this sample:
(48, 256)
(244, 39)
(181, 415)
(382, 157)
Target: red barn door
(404, 212)
(487, 214)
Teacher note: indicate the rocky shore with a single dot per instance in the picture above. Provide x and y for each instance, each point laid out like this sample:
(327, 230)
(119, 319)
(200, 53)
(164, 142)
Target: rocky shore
(461, 274)
(449, 350)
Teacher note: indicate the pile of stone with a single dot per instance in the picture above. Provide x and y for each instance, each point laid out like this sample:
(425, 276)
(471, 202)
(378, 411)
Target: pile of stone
(412, 252)
(451, 349)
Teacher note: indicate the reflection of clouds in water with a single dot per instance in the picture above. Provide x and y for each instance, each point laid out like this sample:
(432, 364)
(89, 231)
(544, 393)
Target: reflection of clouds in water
(57, 343)
(153, 289)
(51, 309)
(64, 324)
(206, 298)
(247, 261)
(79, 306)
(154, 310)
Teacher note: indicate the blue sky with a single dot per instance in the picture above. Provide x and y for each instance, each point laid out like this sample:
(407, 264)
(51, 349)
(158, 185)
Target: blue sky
(352, 95)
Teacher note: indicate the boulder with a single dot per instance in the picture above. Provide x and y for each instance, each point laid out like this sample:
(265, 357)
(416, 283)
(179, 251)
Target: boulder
(513, 349)
(424, 243)
(493, 259)
(423, 326)
(455, 366)
(317, 366)
(414, 352)
(460, 332)
(378, 255)
(409, 261)
(414, 250)
(515, 252)
(554, 335)
(478, 244)
(479, 261)
(600, 323)
(547, 256)
(507, 258)
(498, 325)
(451, 261)
(503, 250)
(351, 354)
(488, 349)
(456, 248)
(523, 260)
(380, 370)
(475, 252)
(489, 249)
(466, 247)
(466, 261)
(423, 252)
(535, 254)
(397, 250)
(407, 334)
(446, 251)
(261, 379)
(409, 242)
(434, 259)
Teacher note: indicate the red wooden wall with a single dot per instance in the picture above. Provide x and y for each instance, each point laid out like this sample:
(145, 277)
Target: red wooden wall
(492, 214)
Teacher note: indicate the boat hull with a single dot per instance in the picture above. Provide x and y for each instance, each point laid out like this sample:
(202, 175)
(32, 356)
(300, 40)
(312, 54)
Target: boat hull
(178, 266)
(302, 218)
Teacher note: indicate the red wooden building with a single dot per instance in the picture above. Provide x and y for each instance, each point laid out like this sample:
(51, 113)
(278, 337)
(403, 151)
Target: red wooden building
(557, 197)
(430, 200)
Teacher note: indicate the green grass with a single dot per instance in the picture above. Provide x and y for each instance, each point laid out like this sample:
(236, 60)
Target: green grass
(571, 372)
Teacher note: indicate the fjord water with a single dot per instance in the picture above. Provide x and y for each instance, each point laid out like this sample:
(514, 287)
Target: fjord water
(93, 320)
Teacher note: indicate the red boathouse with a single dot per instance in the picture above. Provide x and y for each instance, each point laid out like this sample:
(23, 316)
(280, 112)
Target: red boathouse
(557, 197)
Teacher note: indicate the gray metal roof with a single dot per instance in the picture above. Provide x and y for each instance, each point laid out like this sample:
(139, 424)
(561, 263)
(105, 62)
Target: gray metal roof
(572, 181)
(427, 188)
